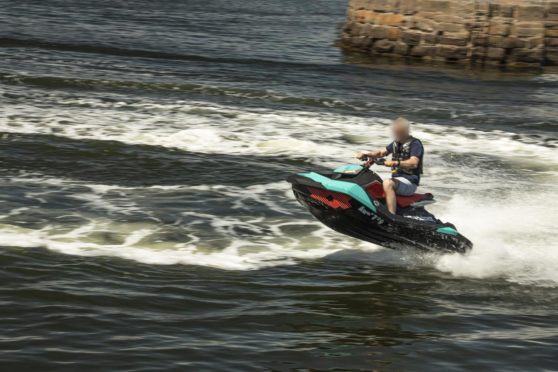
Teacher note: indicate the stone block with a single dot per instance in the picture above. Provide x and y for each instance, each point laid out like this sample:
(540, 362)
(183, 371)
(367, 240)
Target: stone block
(451, 27)
(451, 52)
(384, 46)
(424, 24)
(527, 29)
(430, 38)
(551, 56)
(420, 51)
(401, 49)
(551, 25)
(364, 16)
(447, 18)
(496, 54)
(411, 38)
(369, 16)
(359, 42)
(495, 41)
(358, 29)
(529, 13)
(459, 41)
(480, 40)
(358, 4)
(534, 42)
(527, 55)
(436, 5)
(383, 5)
(551, 41)
(377, 32)
(478, 52)
(499, 28)
(501, 10)
(393, 33)
(389, 19)
(408, 7)
(511, 42)
(551, 33)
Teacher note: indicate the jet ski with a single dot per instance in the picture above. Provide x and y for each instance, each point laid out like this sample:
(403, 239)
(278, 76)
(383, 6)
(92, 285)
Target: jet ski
(350, 200)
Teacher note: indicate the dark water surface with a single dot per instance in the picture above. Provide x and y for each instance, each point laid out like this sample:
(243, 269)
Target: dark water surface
(145, 224)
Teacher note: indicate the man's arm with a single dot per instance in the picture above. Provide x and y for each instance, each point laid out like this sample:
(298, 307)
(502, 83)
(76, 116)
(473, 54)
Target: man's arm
(372, 154)
(411, 163)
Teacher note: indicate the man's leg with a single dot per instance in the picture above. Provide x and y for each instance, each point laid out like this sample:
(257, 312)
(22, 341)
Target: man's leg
(404, 186)
(390, 185)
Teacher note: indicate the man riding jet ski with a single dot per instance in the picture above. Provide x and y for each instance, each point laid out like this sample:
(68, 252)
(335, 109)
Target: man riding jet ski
(354, 200)
(406, 162)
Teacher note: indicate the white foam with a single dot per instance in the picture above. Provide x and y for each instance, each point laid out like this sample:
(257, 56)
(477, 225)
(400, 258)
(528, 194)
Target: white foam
(239, 255)
(188, 126)
(515, 238)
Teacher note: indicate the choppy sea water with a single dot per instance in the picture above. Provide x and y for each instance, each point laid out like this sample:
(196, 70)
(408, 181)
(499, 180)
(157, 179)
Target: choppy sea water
(145, 223)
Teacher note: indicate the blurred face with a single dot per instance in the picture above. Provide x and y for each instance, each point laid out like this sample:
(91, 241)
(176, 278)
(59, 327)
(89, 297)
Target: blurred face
(400, 131)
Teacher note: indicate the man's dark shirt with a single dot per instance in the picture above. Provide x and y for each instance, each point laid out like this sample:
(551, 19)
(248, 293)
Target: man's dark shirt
(415, 149)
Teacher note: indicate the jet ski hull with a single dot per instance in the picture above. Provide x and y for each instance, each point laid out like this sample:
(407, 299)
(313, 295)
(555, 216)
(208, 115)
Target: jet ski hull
(344, 209)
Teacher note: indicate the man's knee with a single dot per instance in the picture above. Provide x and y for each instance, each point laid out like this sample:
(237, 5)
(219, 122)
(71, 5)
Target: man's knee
(389, 185)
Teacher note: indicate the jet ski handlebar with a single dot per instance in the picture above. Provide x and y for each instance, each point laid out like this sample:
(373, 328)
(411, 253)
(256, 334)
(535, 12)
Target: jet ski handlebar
(368, 161)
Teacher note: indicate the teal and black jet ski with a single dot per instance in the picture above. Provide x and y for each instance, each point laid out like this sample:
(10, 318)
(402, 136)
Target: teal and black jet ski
(350, 200)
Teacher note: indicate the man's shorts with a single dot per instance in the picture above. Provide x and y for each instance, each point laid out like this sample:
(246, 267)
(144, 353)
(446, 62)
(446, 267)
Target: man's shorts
(405, 187)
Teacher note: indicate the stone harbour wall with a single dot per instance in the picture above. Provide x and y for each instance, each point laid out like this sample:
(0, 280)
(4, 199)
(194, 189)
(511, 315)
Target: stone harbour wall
(504, 32)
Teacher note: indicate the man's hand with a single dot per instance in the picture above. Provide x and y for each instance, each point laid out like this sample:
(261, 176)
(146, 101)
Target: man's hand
(361, 154)
(390, 163)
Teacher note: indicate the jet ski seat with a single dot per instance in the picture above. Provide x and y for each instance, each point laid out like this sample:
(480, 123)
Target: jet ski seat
(376, 190)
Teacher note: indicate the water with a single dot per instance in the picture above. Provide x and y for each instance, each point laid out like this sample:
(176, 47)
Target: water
(146, 225)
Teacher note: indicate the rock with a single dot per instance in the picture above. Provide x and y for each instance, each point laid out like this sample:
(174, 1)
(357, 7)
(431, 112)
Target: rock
(384, 46)
(393, 33)
(551, 42)
(495, 41)
(451, 27)
(499, 28)
(435, 5)
(401, 49)
(389, 19)
(527, 29)
(446, 17)
(430, 38)
(512, 42)
(551, 56)
(378, 32)
(529, 13)
(501, 10)
(533, 42)
(425, 24)
(495, 53)
(551, 33)
(527, 55)
(411, 38)
(454, 41)
(383, 5)
(452, 52)
(408, 7)
(420, 51)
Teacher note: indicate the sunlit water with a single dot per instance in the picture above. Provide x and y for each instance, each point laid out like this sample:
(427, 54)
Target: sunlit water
(145, 216)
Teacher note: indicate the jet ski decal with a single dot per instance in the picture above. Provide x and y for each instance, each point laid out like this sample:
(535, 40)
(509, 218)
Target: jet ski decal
(348, 188)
